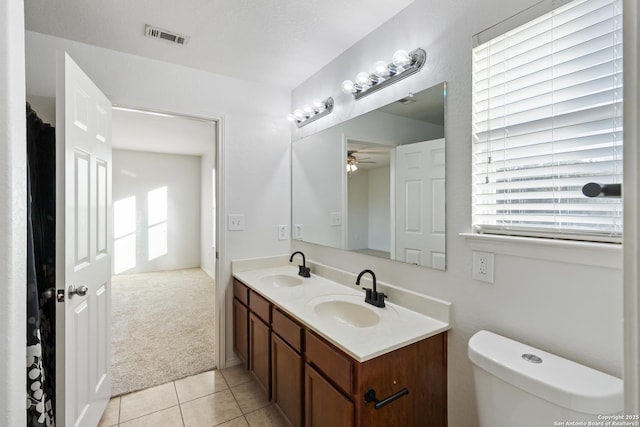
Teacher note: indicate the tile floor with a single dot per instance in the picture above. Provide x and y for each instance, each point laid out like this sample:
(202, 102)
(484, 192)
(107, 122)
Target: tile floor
(225, 398)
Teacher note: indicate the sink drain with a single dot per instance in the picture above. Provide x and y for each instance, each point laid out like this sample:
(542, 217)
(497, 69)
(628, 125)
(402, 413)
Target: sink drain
(531, 358)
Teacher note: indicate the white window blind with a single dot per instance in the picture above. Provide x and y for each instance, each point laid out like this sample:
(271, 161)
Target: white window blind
(547, 119)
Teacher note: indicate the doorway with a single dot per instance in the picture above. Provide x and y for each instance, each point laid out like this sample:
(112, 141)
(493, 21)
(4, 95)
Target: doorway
(164, 201)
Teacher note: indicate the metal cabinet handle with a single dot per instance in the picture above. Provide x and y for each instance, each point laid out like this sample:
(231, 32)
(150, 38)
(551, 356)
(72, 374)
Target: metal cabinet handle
(370, 396)
(80, 290)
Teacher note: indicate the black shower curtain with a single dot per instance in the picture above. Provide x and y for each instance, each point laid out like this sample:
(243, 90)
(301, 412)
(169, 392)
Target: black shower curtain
(40, 271)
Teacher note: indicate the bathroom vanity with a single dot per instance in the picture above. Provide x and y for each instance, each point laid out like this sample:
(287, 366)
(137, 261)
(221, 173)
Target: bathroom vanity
(326, 359)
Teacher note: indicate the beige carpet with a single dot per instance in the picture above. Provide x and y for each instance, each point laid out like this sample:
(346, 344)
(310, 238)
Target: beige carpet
(162, 328)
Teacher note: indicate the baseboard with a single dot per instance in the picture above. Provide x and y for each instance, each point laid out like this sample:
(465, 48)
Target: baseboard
(233, 361)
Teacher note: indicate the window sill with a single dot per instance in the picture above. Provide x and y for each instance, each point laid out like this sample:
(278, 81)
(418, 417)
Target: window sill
(585, 253)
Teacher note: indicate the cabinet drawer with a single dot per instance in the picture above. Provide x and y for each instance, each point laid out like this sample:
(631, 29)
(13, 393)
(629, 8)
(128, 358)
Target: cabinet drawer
(289, 330)
(337, 367)
(260, 306)
(241, 292)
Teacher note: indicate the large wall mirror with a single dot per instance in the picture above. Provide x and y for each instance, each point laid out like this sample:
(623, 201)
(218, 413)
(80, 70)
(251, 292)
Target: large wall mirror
(376, 184)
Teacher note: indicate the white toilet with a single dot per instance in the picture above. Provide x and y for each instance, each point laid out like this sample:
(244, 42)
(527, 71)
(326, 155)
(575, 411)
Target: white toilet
(518, 385)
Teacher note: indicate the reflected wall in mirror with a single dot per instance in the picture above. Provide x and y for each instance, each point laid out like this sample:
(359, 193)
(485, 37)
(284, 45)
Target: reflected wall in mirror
(376, 184)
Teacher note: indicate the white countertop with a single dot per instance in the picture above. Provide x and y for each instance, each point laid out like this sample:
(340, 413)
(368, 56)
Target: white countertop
(397, 327)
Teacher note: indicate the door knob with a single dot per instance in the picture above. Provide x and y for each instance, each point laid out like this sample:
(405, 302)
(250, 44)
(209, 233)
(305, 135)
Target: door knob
(80, 290)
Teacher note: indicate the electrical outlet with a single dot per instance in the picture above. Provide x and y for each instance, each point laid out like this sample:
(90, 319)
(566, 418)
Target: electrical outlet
(282, 232)
(335, 219)
(483, 266)
(297, 231)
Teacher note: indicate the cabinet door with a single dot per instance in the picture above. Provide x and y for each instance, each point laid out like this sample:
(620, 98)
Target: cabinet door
(286, 380)
(260, 351)
(241, 332)
(325, 406)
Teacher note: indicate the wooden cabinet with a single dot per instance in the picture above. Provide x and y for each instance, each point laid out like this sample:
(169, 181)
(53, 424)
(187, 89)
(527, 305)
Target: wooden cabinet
(241, 323)
(260, 340)
(315, 384)
(287, 367)
(286, 380)
(336, 366)
(325, 405)
(252, 332)
(259, 351)
(420, 368)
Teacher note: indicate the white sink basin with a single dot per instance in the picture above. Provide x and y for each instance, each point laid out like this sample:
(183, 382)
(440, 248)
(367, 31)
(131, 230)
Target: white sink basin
(281, 280)
(348, 312)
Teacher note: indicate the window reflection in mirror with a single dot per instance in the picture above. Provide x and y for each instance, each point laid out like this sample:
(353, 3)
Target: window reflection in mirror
(376, 184)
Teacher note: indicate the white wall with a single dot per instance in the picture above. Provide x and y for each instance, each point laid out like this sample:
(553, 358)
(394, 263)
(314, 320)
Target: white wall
(13, 230)
(368, 209)
(357, 209)
(256, 136)
(45, 107)
(135, 174)
(318, 187)
(379, 208)
(572, 309)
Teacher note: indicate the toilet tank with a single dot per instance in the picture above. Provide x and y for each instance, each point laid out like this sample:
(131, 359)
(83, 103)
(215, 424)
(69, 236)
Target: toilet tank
(521, 385)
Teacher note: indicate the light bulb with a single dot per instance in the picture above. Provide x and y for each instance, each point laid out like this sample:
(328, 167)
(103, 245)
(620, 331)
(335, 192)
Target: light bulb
(380, 69)
(318, 105)
(347, 86)
(298, 114)
(291, 117)
(362, 79)
(401, 58)
(307, 109)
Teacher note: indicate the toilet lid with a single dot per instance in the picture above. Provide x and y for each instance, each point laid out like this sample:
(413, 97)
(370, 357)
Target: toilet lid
(547, 376)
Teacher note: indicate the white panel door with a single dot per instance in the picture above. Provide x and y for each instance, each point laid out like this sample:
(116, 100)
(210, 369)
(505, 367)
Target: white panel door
(83, 247)
(420, 197)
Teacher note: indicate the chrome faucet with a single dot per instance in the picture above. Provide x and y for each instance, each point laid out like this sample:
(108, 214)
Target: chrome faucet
(372, 296)
(303, 270)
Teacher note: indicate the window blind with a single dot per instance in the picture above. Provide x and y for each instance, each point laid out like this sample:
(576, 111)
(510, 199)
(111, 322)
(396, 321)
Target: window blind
(547, 119)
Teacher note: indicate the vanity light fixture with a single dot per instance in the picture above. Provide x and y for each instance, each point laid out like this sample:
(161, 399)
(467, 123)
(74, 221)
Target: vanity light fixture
(384, 74)
(310, 113)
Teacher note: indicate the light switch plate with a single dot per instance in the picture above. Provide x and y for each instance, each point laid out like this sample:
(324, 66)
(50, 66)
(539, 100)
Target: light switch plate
(282, 232)
(235, 222)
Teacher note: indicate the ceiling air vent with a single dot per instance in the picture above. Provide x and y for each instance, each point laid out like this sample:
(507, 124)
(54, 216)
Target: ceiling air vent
(159, 33)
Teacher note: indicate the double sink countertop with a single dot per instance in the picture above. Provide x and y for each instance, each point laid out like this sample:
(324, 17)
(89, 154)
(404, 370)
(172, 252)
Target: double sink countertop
(338, 312)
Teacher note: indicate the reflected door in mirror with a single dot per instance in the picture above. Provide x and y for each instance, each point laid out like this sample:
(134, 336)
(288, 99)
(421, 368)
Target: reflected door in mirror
(420, 190)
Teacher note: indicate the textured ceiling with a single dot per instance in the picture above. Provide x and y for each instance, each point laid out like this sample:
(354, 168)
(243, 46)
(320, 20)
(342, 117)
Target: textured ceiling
(282, 42)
